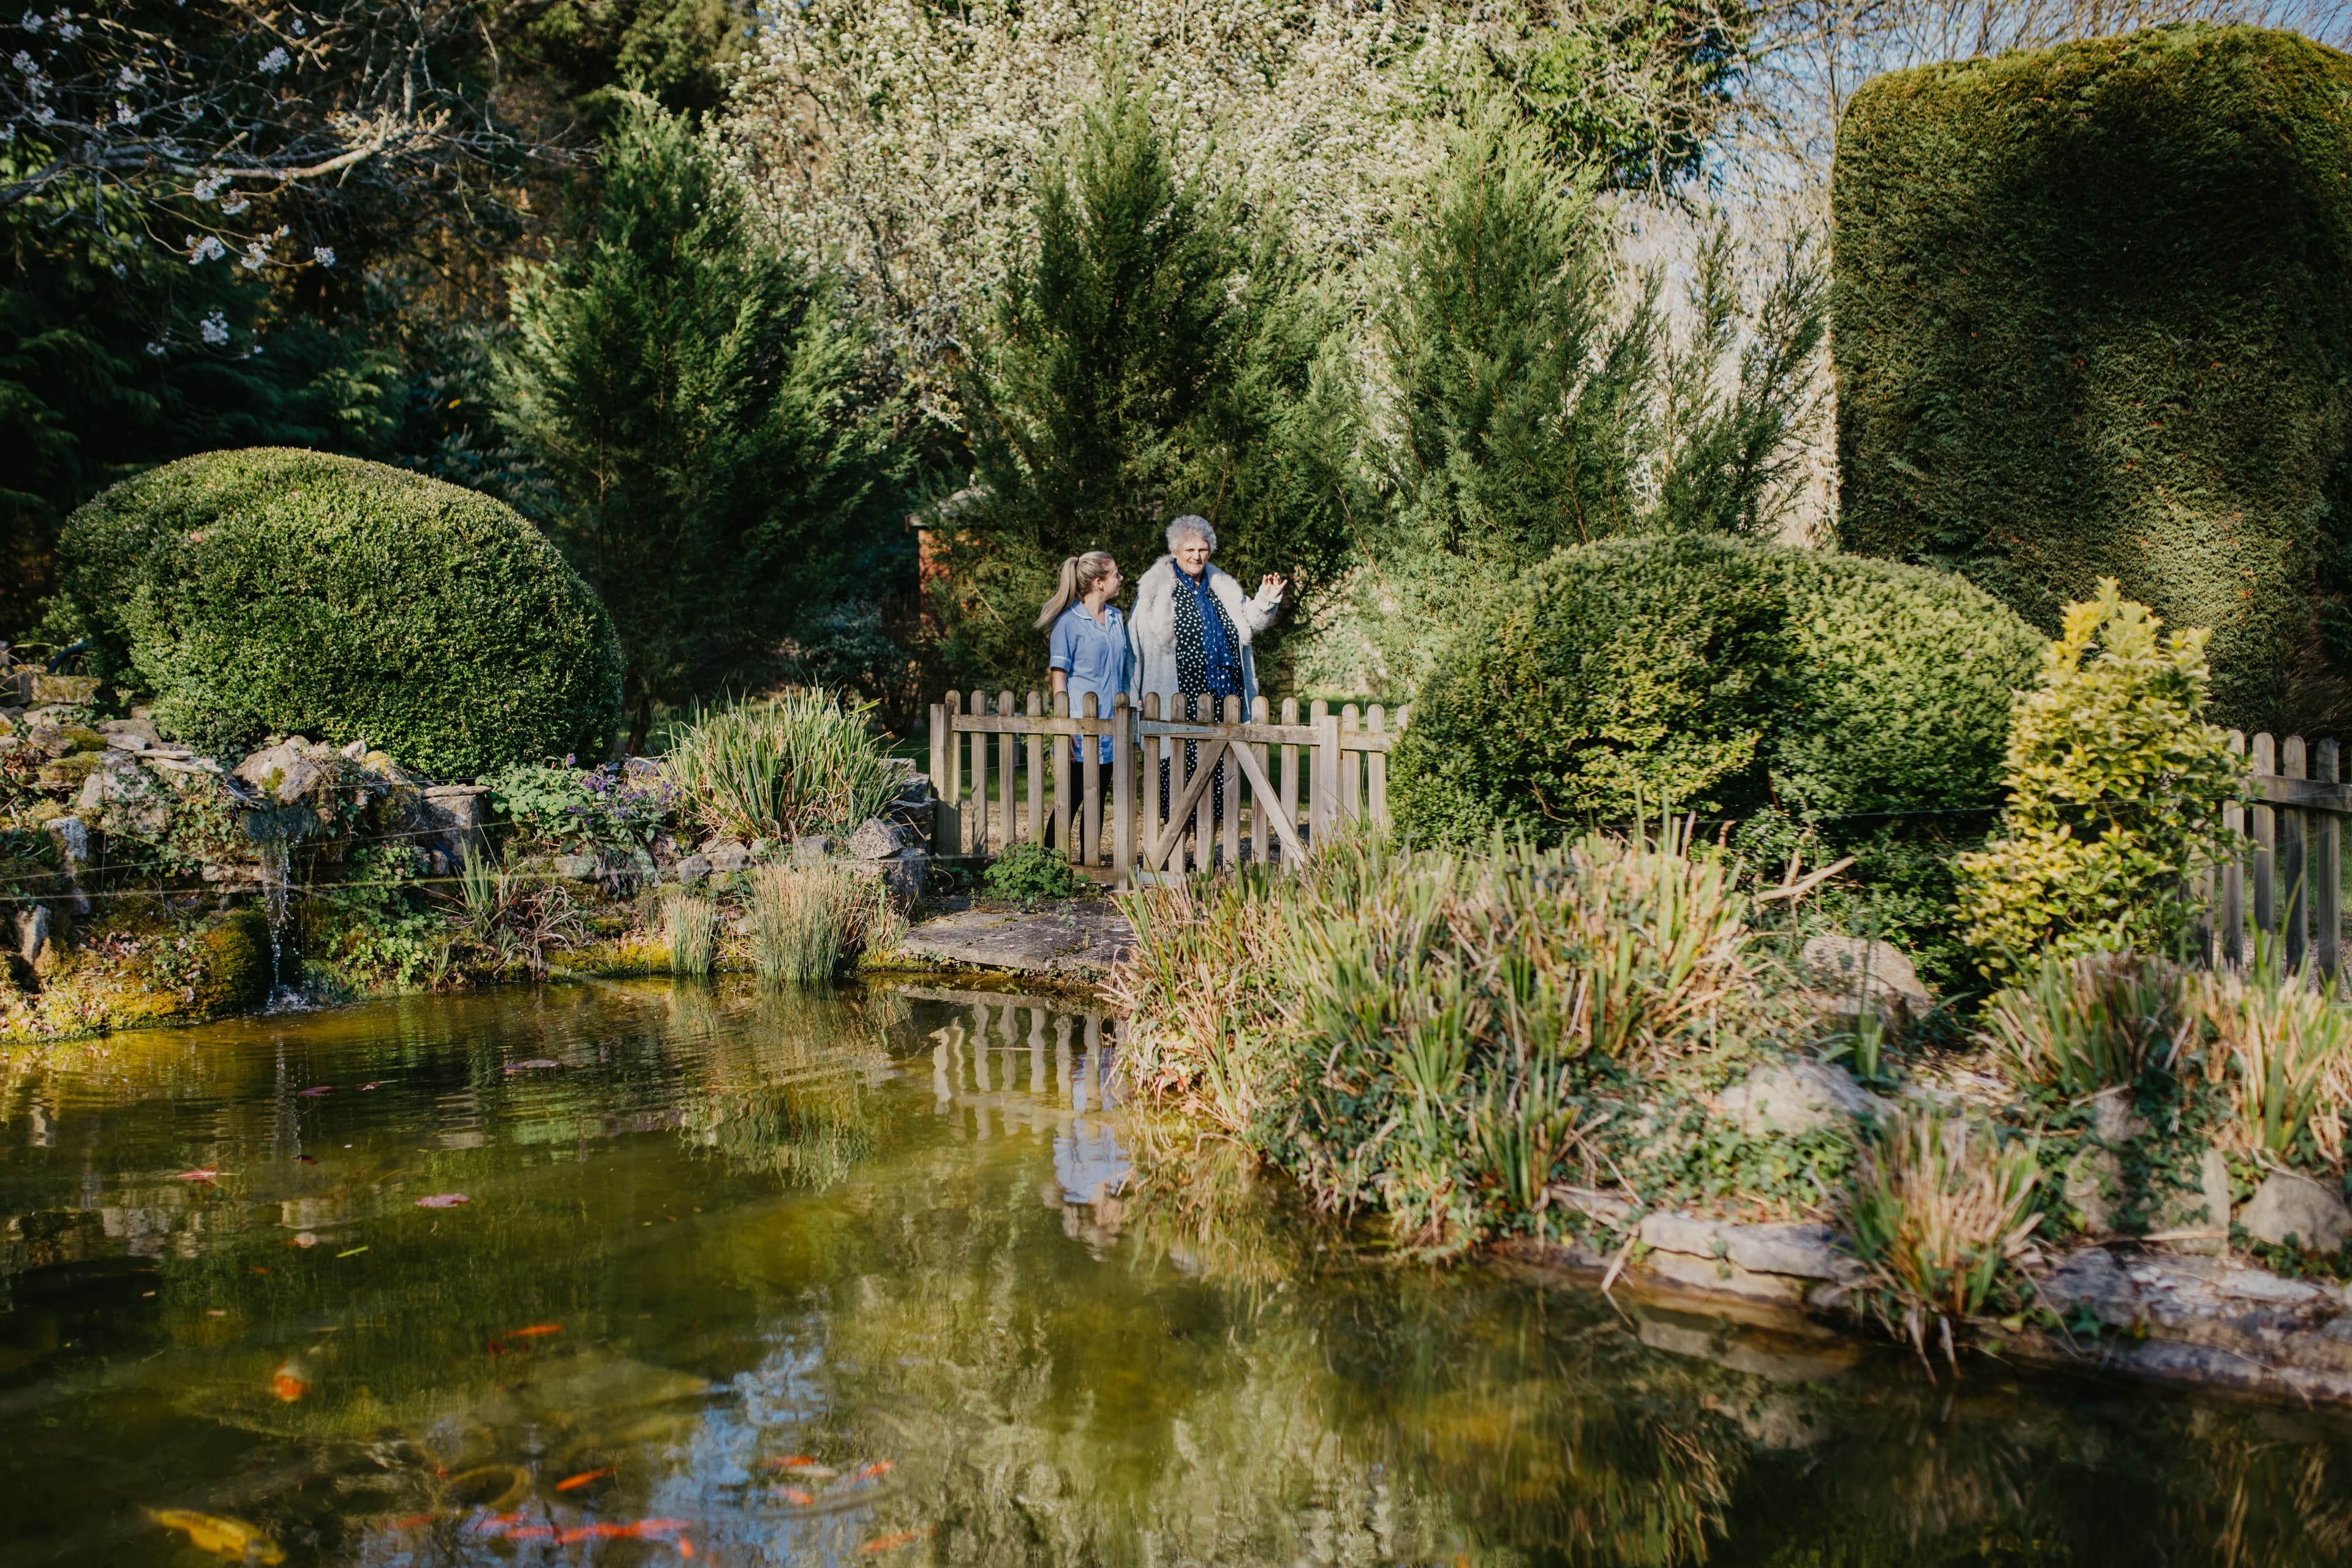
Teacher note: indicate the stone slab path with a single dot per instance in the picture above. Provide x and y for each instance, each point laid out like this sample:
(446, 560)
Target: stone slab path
(1077, 941)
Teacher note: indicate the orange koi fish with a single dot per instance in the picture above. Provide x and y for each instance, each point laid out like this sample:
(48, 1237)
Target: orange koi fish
(573, 1483)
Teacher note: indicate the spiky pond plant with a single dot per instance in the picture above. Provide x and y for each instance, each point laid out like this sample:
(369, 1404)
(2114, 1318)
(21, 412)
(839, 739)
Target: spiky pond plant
(1940, 1208)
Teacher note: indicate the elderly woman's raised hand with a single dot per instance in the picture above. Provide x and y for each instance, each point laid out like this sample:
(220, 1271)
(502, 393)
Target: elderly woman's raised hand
(1270, 583)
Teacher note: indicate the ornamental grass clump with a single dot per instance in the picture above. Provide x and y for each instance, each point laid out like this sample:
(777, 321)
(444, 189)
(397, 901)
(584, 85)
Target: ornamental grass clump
(2096, 1021)
(2284, 1051)
(1940, 1211)
(690, 925)
(1421, 1032)
(801, 763)
(2116, 785)
(805, 923)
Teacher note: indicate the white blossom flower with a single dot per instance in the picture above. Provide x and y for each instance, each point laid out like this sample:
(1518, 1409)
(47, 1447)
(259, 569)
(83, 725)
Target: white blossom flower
(24, 62)
(156, 348)
(30, 21)
(233, 207)
(300, 30)
(124, 114)
(120, 271)
(275, 61)
(216, 328)
(208, 248)
(126, 78)
(256, 256)
(324, 255)
(68, 31)
(43, 114)
(210, 187)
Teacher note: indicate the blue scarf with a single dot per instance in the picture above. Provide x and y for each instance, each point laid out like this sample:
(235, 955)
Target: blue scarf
(1216, 647)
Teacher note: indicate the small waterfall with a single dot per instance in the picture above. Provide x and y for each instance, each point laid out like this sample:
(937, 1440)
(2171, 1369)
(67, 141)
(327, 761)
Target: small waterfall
(276, 891)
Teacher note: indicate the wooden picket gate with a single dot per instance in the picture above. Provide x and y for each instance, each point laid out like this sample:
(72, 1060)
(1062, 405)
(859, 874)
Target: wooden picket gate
(1123, 834)
(2290, 883)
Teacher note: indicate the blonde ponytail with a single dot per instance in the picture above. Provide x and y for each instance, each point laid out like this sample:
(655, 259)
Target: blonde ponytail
(1079, 574)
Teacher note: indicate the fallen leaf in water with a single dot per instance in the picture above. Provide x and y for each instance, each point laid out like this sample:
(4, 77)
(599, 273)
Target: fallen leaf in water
(323, 1088)
(534, 1062)
(572, 1483)
(442, 1201)
(222, 1537)
(874, 1471)
(882, 1544)
(379, 1083)
(797, 1498)
(303, 1238)
(205, 1174)
(291, 1382)
(535, 1331)
(685, 1547)
(412, 1521)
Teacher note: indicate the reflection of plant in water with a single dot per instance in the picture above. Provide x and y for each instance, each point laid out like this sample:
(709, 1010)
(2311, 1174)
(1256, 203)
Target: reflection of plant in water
(785, 1086)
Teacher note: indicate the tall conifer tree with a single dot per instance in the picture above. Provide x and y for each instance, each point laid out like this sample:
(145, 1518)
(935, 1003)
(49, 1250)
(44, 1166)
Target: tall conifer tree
(697, 396)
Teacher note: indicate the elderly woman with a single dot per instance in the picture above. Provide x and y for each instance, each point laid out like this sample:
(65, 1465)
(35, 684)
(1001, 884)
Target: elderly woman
(1192, 629)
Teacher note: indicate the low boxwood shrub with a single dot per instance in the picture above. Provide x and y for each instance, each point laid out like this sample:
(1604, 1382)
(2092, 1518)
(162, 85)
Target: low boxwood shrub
(280, 591)
(1860, 705)
(1719, 675)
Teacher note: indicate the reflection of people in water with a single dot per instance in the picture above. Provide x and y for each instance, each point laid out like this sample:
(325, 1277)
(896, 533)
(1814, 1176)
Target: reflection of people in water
(1090, 1165)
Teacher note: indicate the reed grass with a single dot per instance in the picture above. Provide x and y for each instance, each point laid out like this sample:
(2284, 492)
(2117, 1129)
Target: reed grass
(2284, 1053)
(1406, 1029)
(1940, 1211)
(2096, 1021)
(691, 927)
(801, 763)
(805, 923)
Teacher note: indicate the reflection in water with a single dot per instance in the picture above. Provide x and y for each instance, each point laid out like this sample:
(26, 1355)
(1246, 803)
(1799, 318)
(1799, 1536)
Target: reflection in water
(770, 1278)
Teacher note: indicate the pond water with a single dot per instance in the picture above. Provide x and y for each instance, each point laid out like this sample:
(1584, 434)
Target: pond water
(890, 1276)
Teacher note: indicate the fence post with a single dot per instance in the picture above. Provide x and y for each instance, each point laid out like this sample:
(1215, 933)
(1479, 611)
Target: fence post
(1089, 817)
(2327, 853)
(1063, 754)
(1229, 828)
(1376, 771)
(976, 840)
(1289, 803)
(1008, 803)
(1122, 790)
(2265, 833)
(2233, 874)
(2292, 869)
(1261, 831)
(1326, 776)
(1036, 748)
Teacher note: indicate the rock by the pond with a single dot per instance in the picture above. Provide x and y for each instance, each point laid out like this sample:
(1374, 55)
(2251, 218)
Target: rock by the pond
(455, 818)
(726, 856)
(68, 689)
(1077, 939)
(140, 729)
(879, 839)
(577, 868)
(694, 870)
(32, 934)
(812, 849)
(1854, 967)
(123, 798)
(2289, 1205)
(2089, 1279)
(1794, 1098)
(2199, 1222)
(281, 771)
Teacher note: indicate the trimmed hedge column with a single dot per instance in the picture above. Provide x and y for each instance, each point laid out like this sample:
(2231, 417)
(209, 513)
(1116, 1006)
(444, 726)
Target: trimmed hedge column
(273, 589)
(2093, 317)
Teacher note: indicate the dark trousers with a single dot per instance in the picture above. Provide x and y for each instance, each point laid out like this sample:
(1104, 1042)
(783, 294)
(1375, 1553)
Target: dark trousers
(1193, 702)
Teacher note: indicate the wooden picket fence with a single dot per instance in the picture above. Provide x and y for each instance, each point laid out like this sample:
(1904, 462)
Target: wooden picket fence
(2290, 883)
(1122, 834)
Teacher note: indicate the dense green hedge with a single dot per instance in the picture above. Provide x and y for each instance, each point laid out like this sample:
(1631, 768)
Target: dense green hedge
(275, 589)
(1722, 677)
(2093, 317)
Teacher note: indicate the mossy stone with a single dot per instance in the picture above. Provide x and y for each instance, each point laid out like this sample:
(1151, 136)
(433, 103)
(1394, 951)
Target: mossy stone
(235, 969)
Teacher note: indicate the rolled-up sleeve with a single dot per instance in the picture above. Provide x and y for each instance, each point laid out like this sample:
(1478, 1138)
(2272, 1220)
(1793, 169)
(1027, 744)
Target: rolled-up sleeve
(1061, 645)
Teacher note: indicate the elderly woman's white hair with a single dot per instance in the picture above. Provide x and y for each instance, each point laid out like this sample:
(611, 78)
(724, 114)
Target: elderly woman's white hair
(1185, 528)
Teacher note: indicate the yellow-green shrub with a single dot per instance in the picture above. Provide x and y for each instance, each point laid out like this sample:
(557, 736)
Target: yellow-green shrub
(2116, 785)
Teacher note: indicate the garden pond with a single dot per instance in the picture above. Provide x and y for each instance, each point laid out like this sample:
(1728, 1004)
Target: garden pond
(645, 1273)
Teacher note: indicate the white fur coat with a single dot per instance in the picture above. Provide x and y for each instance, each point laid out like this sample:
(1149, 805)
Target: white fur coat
(1152, 629)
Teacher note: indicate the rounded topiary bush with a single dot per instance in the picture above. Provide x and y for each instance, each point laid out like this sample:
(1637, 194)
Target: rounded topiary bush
(280, 591)
(1717, 676)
